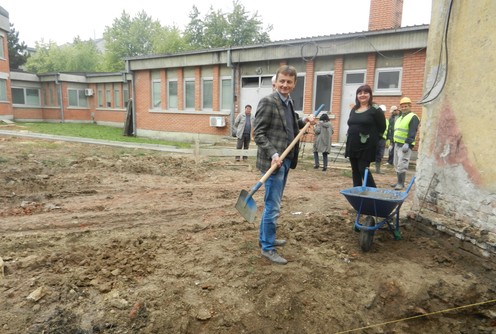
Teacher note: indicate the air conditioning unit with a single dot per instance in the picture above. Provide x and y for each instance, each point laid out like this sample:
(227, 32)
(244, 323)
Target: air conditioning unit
(88, 92)
(217, 121)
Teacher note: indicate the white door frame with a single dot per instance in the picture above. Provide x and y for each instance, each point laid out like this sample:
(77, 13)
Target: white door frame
(348, 98)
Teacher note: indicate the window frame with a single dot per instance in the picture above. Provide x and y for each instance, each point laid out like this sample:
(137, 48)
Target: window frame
(156, 99)
(189, 96)
(172, 99)
(25, 97)
(226, 94)
(323, 95)
(2, 51)
(206, 94)
(117, 97)
(390, 90)
(80, 96)
(3, 90)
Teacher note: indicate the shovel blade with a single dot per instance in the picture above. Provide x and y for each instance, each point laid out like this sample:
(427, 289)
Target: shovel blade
(246, 206)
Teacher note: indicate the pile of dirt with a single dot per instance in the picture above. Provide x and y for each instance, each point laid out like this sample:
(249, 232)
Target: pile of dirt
(96, 239)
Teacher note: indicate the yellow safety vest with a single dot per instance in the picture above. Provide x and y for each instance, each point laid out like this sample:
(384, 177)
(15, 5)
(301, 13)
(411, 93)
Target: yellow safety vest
(384, 135)
(401, 127)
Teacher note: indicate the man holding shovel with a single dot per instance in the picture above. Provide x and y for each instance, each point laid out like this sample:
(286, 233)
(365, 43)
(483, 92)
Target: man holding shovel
(276, 126)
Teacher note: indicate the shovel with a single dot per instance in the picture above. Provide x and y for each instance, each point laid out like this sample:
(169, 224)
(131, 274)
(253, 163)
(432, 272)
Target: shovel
(246, 204)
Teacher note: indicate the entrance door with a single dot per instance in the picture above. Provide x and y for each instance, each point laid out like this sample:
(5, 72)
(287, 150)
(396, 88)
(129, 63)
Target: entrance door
(253, 89)
(352, 80)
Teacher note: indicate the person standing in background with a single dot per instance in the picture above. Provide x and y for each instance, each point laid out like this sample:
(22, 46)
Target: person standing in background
(322, 141)
(242, 123)
(394, 114)
(381, 145)
(405, 131)
(366, 124)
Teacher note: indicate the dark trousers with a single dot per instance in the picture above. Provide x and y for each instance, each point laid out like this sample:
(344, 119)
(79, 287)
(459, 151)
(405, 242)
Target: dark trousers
(243, 143)
(358, 172)
(381, 146)
(391, 154)
(324, 159)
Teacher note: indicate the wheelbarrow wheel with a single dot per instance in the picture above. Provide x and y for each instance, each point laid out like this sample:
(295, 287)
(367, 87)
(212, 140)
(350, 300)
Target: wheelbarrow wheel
(367, 236)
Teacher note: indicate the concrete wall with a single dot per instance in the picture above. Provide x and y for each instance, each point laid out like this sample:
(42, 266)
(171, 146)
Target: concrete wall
(456, 173)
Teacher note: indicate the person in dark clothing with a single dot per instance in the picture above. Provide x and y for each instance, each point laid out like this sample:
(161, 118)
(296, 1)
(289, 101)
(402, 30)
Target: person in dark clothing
(381, 146)
(390, 136)
(366, 124)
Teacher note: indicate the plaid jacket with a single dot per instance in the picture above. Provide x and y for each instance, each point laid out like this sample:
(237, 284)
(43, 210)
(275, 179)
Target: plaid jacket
(270, 131)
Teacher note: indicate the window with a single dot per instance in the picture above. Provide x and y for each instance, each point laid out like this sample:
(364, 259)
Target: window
(2, 54)
(26, 96)
(117, 98)
(100, 98)
(108, 98)
(226, 92)
(156, 94)
(207, 94)
(298, 93)
(266, 82)
(3, 90)
(388, 80)
(189, 94)
(355, 78)
(250, 82)
(172, 91)
(323, 91)
(125, 95)
(77, 98)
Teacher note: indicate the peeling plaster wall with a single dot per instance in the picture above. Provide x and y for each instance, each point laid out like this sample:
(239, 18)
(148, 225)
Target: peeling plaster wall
(456, 172)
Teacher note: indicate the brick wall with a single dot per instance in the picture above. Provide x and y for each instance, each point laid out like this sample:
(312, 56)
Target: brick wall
(337, 96)
(5, 108)
(385, 14)
(162, 120)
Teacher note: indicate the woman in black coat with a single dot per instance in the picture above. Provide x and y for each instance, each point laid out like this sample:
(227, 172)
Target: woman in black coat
(366, 124)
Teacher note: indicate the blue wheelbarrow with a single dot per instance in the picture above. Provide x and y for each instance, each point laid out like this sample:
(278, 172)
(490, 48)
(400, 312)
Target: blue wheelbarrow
(376, 203)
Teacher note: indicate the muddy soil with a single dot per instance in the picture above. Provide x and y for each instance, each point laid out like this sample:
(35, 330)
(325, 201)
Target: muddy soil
(99, 239)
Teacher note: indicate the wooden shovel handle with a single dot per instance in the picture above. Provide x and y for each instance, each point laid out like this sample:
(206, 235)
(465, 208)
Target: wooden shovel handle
(285, 153)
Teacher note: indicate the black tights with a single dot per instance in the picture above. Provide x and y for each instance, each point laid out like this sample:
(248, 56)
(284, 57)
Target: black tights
(358, 172)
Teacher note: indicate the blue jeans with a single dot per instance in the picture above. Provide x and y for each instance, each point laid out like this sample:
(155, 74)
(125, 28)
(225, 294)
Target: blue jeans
(274, 188)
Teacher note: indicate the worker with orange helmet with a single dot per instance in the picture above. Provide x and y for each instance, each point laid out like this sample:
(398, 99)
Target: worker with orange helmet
(405, 131)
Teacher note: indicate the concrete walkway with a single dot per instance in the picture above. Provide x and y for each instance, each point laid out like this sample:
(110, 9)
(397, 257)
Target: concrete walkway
(197, 150)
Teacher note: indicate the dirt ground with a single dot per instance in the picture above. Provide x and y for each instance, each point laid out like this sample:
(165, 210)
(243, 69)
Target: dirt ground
(98, 239)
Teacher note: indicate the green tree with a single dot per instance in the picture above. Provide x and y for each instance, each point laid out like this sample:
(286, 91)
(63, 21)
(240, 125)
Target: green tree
(194, 30)
(218, 29)
(169, 40)
(18, 51)
(129, 37)
(80, 56)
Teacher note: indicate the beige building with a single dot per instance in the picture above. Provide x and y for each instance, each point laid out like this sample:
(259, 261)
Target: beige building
(456, 177)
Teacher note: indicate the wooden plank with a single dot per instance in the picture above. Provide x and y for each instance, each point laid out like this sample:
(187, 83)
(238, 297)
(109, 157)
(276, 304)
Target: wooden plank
(227, 152)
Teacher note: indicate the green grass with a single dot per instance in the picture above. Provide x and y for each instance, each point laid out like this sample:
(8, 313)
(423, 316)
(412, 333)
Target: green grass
(93, 131)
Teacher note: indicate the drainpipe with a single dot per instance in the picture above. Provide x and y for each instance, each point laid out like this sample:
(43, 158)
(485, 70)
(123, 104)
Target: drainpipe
(233, 75)
(59, 97)
(133, 98)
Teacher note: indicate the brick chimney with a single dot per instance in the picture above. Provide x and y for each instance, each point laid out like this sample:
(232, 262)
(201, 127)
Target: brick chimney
(385, 14)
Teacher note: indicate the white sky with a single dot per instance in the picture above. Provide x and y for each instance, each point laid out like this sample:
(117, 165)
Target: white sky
(62, 20)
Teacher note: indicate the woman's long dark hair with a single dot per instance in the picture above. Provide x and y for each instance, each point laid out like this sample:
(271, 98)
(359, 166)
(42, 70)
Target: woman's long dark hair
(363, 88)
